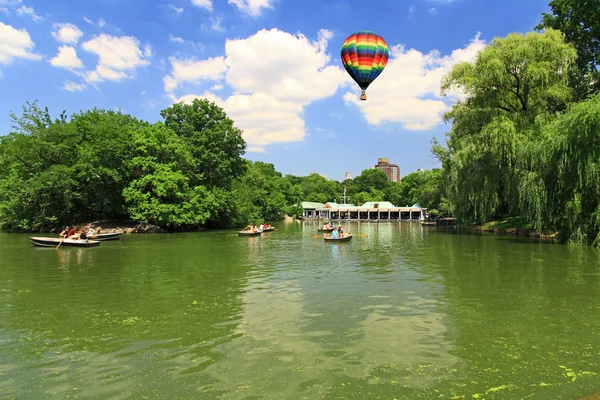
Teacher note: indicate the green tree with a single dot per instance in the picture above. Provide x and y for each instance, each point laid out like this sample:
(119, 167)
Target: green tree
(579, 20)
(215, 143)
(371, 178)
(512, 84)
(160, 192)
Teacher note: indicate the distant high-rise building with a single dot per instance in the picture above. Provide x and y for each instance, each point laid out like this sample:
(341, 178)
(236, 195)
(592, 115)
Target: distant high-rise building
(348, 176)
(391, 170)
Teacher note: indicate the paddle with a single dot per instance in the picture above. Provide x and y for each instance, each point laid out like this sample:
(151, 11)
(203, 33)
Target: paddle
(61, 240)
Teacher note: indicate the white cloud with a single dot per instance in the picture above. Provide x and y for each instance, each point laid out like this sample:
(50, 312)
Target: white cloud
(24, 10)
(269, 62)
(216, 87)
(432, 10)
(101, 22)
(215, 24)
(191, 71)
(10, 3)
(66, 33)
(176, 39)
(74, 87)
(4, 10)
(119, 57)
(251, 7)
(408, 90)
(14, 44)
(270, 87)
(176, 10)
(206, 4)
(66, 58)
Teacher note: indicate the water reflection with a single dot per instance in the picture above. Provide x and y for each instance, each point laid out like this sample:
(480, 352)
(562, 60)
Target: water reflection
(304, 332)
(398, 312)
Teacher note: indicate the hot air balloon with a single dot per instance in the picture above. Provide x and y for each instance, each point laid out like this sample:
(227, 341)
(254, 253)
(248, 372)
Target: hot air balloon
(364, 55)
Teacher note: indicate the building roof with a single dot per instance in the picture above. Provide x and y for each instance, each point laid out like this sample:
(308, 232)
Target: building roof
(416, 205)
(381, 204)
(310, 204)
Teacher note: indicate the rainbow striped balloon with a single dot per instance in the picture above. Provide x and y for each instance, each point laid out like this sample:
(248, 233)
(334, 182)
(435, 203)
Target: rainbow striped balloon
(364, 55)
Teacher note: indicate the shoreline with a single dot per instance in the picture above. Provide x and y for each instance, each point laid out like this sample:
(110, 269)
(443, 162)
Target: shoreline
(512, 226)
(521, 232)
(129, 227)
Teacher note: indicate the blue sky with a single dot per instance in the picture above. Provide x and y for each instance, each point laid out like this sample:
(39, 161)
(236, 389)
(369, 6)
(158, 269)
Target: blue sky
(273, 65)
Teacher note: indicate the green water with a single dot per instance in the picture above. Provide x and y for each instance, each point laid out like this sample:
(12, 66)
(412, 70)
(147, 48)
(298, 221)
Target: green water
(403, 313)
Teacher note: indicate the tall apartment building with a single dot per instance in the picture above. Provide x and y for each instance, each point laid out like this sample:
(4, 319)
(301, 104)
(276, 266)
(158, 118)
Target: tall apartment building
(391, 170)
(348, 176)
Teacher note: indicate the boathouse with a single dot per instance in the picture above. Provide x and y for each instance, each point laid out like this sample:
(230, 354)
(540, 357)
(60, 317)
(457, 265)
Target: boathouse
(371, 211)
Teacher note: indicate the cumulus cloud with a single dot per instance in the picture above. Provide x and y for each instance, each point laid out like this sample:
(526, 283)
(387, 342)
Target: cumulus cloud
(66, 33)
(15, 44)
(118, 57)
(408, 90)
(206, 4)
(191, 71)
(251, 7)
(273, 74)
(66, 58)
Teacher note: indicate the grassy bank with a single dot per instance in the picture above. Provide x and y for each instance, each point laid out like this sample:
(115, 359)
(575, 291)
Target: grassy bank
(515, 226)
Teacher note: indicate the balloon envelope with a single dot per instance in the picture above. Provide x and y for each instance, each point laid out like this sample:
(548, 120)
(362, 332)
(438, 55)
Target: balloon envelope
(364, 55)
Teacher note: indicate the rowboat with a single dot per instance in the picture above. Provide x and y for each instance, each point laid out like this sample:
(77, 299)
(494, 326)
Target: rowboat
(106, 236)
(249, 233)
(326, 229)
(269, 229)
(429, 223)
(53, 242)
(346, 238)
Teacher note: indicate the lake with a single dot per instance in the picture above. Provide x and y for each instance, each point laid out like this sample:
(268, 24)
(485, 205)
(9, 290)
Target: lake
(400, 312)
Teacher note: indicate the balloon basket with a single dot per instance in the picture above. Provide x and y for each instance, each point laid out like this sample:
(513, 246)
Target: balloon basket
(363, 96)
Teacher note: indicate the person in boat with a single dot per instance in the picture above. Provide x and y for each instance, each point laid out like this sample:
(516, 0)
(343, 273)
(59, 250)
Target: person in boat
(72, 234)
(340, 231)
(64, 232)
(334, 234)
(90, 231)
(261, 227)
(82, 235)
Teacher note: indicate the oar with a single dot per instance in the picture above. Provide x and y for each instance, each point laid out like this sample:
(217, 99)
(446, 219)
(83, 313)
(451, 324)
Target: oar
(363, 235)
(315, 237)
(61, 240)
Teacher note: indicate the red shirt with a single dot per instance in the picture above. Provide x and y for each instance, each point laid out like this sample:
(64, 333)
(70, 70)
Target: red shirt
(72, 232)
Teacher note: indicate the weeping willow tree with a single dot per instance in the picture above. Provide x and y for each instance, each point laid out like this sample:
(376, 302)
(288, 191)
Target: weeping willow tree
(491, 158)
(572, 153)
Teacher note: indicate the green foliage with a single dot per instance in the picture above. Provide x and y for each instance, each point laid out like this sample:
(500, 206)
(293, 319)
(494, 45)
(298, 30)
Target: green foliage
(103, 164)
(372, 178)
(511, 84)
(521, 145)
(215, 144)
(579, 20)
